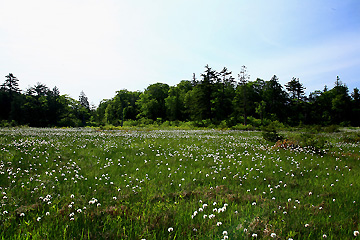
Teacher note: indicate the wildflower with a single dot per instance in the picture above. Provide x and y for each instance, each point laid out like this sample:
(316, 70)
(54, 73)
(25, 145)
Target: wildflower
(47, 213)
(72, 196)
(225, 233)
(22, 214)
(254, 235)
(273, 235)
(170, 229)
(356, 233)
(226, 237)
(79, 210)
(324, 236)
(307, 225)
(254, 203)
(38, 219)
(218, 223)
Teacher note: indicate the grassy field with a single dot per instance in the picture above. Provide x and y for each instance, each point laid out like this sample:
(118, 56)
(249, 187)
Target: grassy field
(200, 184)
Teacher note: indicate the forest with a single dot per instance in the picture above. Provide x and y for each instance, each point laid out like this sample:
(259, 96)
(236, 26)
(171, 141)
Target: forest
(215, 99)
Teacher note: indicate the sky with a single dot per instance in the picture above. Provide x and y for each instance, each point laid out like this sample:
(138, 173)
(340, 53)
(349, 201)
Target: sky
(102, 46)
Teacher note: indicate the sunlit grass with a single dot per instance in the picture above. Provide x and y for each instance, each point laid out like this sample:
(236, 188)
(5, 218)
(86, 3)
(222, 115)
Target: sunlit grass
(86, 184)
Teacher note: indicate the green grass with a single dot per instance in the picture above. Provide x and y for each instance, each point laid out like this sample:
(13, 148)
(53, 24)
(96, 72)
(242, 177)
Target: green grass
(174, 184)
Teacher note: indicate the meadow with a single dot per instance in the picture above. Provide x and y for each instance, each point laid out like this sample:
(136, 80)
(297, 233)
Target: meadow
(175, 184)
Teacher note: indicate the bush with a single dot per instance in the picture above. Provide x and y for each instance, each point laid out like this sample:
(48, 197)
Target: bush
(351, 138)
(332, 129)
(254, 121)
(315, 141)
(241, 126)
(222, 125)
(269, 133)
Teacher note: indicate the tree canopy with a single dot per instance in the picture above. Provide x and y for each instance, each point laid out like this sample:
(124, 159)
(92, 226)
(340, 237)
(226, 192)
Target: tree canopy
(214, 98)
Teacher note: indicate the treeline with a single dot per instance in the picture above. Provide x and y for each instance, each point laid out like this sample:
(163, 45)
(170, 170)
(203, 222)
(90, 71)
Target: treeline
(213, 99)
(40, 106)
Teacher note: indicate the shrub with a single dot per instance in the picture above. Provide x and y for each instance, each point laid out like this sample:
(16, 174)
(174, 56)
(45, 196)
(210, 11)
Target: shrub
(254, 121)
(351, 138)
(332, 129)
(269, 133)
(315, 141)
(222, 125)
(241, 126)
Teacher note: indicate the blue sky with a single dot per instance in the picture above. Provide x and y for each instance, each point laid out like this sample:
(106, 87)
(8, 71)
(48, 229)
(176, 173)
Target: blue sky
(101, 46)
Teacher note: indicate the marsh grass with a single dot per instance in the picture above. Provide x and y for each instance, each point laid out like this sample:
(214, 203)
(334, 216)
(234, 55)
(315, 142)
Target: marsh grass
(174, 184)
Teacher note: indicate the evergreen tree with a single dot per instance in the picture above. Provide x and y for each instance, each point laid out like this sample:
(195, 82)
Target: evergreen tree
(11, 85)
(276, 99)
(209, 77)
(84, 100)
(295, 88)
(296, 112)
(355, 107)
(224, 93)
(83, 108)
(244, 77)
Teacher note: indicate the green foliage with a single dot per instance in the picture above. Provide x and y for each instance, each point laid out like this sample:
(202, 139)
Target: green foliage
(152, 101)
(318, 129)
(332, 128)
(352, 137)
(314, 141)
(269, 133)
(214, 97)
(241, 126)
